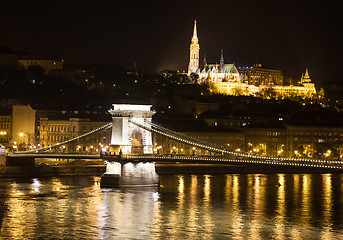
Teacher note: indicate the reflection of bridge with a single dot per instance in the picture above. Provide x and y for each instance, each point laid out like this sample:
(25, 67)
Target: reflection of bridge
(131, 142)
(224, 159)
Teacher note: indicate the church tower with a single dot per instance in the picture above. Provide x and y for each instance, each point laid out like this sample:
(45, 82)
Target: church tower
(305, 78)
(194, 52)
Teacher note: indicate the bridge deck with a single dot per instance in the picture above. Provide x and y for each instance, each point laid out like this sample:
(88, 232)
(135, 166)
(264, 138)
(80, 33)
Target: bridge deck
(224, 159)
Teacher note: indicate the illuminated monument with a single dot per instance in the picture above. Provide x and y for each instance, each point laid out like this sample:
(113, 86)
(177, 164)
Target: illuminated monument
(129, 139)
(226, 79)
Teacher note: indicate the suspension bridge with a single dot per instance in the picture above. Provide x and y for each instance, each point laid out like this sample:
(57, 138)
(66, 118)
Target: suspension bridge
(130, 119)
(129, 164)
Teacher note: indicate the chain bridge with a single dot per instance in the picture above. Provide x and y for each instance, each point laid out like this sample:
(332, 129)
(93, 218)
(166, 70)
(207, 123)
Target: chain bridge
(132, 120)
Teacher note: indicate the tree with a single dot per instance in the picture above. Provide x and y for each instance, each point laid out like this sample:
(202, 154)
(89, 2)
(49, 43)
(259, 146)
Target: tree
(236, 91)
(194, 78)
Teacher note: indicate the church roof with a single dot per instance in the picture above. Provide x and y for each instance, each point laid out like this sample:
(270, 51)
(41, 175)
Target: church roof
(227, 68)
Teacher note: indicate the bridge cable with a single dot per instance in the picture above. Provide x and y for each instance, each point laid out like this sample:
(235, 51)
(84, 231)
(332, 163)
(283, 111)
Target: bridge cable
(108, 125)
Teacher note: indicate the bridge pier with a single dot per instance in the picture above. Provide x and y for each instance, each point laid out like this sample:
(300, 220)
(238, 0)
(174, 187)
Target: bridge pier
(130, 174)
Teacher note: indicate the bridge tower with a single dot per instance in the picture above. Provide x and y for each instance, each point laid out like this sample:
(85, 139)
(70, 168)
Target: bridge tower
(126, 137)
(129, 139)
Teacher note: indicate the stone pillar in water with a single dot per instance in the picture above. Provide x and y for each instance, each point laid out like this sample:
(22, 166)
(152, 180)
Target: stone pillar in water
(130, 174)
(129, 139)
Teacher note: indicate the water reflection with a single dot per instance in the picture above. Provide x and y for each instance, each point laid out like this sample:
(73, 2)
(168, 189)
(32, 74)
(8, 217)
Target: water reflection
(253, 206)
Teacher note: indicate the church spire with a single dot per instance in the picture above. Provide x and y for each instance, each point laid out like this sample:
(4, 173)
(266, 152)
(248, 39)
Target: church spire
(205, 61)
(195, 29)
(221, 60)
(194, 51)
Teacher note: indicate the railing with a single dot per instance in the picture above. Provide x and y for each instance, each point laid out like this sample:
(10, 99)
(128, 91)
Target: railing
(222, 150)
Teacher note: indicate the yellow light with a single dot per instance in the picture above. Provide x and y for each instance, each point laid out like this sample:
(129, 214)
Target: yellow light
(21, 134)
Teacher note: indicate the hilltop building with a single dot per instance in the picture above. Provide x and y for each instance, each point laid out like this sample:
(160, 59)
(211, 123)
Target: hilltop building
(258, 75)
(256, 81)
(48, 64)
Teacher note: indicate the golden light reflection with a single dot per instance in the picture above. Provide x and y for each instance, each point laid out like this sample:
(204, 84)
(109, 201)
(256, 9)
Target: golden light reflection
(296, 183)
(207, 190)
(237, 221)
(56, 184)
(255, 224)
(280, 208)
(194, 189)
(181, 189)
(207, 218)
(327, 206)
(235, 192)
(20, 211)
(250, 192)
(306, 199)
(193, 211)
(228, 189)
(181, 184)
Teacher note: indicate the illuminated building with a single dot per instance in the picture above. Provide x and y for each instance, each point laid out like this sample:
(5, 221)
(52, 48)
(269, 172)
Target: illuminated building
(23, 125)
(255, 81)
(305, 88)
(257, 75)
(46, 63)
(53, 131)
(5, 128)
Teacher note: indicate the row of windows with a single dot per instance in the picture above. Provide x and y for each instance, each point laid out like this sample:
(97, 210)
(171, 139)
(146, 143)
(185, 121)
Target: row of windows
(318, 134)
(67, 129)
(4, 125)
(4, 119)
(58, 129)
(62, 138)
(4, 139)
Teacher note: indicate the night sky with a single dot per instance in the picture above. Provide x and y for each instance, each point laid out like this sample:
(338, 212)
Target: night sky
(287, 35)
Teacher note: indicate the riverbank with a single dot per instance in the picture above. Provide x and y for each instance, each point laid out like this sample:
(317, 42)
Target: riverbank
(161, 169)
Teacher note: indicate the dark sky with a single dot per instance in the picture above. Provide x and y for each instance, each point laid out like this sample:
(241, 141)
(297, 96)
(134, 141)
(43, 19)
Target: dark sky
(288, 35)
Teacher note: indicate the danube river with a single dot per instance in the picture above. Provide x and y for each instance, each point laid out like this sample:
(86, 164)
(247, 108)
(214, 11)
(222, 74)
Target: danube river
(233, 206)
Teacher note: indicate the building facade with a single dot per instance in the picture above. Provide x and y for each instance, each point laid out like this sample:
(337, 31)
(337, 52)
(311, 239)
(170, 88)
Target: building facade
(52, 131)
(5, 129)
(23, 126)
(46, 64)
(257, 75)
(290, 141)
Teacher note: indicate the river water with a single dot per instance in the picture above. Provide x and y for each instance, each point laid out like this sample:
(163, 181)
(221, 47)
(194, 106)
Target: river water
(233, 206)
